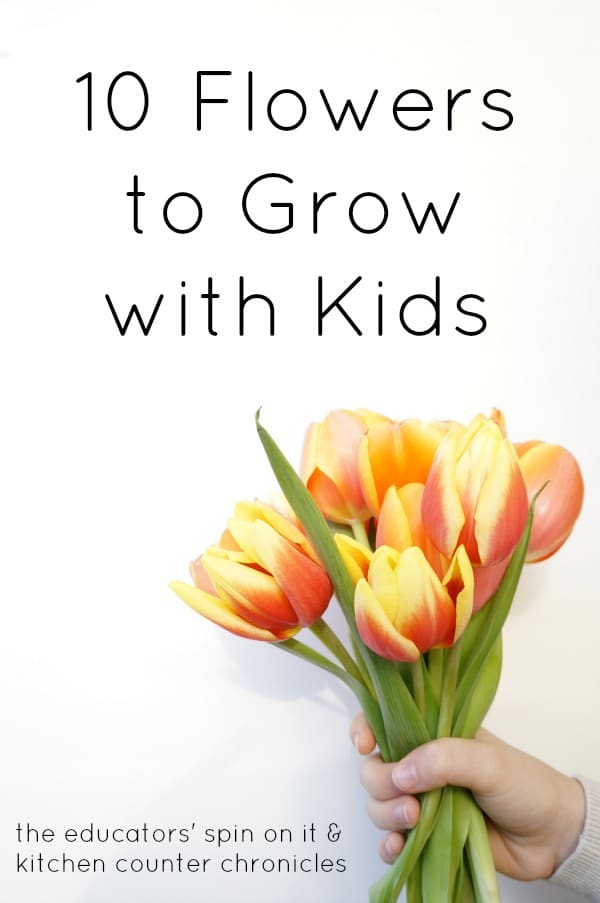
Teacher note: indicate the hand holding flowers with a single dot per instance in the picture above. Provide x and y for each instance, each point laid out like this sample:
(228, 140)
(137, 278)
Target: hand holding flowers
(441, 518)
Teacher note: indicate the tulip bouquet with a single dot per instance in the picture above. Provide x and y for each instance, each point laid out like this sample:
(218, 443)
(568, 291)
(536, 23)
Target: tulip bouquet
(421, 530)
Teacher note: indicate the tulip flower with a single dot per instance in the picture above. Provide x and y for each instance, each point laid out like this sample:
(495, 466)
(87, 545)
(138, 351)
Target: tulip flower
(475, 494)
(558, 506)
(403, 608)
(393, 454)
(400, 526)
(330, 464)
(263, 579)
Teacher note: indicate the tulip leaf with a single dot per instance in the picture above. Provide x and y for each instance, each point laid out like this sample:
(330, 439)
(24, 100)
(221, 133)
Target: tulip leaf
(312, 520)
(483, 869)
(370, 707)
(462, 805)
(477, 706)
(404, 725)
(388, 888)
(436, 861)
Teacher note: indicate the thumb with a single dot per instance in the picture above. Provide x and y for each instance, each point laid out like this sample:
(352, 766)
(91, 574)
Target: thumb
(474, 764)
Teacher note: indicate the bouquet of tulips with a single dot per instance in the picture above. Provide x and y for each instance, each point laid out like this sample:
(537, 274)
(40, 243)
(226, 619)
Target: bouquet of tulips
(421, 530)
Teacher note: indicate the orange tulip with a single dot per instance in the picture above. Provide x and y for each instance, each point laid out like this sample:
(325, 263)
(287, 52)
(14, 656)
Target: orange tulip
(330, 464)
(393, 454)
(403, 608)
(263, 579)
(558, 506)
(475, 494)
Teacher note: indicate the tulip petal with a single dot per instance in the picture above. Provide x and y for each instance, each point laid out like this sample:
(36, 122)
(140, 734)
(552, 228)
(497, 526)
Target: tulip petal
(400, 524)
(329, 498)
(394, 454)
(376, 630)
(382, 580)
(357, 557)
(442, 509)
(502, 506)
(304, 583)
(330, 466)
(487, 581)
(460, 584)
(250, 592)
(216, 611)
(425, 612)
(558, 506)
(259, 511)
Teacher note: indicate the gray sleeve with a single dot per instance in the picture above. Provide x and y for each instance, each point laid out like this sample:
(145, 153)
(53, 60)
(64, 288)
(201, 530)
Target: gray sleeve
(581, 871)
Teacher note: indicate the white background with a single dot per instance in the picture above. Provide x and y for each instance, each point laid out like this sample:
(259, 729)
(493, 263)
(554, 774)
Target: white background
(123, 457)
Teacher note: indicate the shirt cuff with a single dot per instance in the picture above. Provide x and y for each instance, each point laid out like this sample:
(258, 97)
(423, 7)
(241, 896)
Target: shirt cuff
(581, 870)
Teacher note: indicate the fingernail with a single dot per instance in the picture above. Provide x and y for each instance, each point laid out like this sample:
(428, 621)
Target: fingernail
(404, 775)
(401, 816)
(390, 847)
(356, 740)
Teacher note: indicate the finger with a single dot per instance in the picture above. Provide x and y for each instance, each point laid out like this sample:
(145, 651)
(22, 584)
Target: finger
(391, 846)
(399, 814)
(465, 763)
(376, 778)
(361, 734)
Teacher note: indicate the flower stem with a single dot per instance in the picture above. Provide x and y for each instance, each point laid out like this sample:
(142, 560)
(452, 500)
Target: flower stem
(483, 869)
(419, 685)
(366, 700)
(331, 641)
(449, 690)
(435, 666)
(360, 533)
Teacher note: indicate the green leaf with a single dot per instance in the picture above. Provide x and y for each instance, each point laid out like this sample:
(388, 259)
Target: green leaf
(404, 726)
(479, 702)
(312, 520)
(368, 704)
(437, 876)
(483, 869)
(388, 888)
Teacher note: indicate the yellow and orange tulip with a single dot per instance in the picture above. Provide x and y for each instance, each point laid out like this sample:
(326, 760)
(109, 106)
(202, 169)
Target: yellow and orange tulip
(394, 454)
(400, 526)
(402, 607)
(558, 506)
(330, 464)
(475, 494)
(263, 579)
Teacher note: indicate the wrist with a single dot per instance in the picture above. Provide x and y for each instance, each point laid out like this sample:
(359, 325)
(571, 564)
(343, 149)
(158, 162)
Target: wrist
(570, 819)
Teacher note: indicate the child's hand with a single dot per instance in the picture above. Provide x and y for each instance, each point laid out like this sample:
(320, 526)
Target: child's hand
(534, 813)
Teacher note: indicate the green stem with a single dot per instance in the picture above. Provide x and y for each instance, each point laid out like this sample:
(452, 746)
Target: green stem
(483, 869)
(369, 705)
(435, 666)
(449, 690)
(419, 685)
(387, 889)
(331, 641)
(360, 533)
(413, 885)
